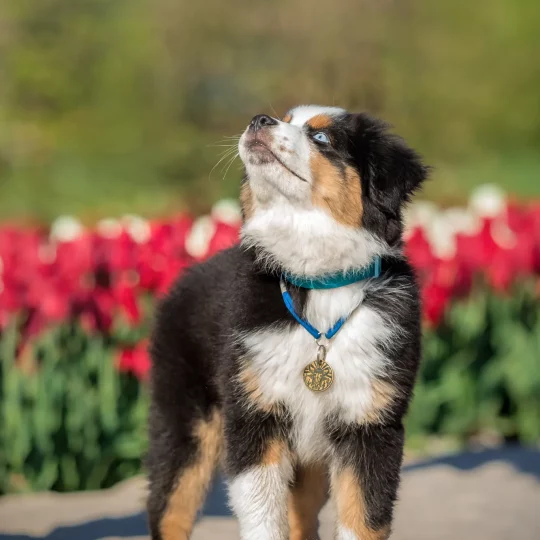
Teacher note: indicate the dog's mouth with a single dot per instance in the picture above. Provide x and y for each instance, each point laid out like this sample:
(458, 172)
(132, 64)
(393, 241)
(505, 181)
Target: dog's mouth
(256, 145)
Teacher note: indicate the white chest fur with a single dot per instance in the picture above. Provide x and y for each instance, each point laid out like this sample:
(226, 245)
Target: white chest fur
(278, 358)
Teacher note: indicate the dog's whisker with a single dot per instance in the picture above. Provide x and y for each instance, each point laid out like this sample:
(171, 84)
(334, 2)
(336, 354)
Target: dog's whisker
(273, 110)
(222, 143)
(226, 139)
(230, 163)
(227, 154)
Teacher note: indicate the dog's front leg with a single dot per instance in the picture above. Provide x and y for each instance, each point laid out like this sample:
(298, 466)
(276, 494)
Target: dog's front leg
(365, 475)
(259, 467)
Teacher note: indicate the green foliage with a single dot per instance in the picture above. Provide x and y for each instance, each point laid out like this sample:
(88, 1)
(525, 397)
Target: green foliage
(69, 420)
(481, 370)
(111, 106)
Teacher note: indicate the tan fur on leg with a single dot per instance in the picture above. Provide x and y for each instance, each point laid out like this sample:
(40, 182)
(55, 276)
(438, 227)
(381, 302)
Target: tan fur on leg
(190, 490)
(351, 508)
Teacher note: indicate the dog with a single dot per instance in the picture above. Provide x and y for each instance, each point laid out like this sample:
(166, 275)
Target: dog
(291, 357)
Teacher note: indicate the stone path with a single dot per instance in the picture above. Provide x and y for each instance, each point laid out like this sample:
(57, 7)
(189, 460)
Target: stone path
(490, 495)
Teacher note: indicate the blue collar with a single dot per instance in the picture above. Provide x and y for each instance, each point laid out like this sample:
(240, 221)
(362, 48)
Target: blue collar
(338, 279)
(289, 304)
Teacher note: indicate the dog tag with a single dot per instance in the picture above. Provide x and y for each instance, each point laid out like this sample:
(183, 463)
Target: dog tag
(319, 376)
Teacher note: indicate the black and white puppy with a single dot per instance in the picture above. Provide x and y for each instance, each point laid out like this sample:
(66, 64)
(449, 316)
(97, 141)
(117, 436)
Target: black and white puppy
(237, 376)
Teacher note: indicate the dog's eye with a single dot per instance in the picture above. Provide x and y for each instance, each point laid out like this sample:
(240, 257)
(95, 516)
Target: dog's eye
(321, 137)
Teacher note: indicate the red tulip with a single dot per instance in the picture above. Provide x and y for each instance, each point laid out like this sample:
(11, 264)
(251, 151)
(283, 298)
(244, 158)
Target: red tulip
(135, 360)
(125, 296)
(92, 277)
(224, 237)
(435, 298)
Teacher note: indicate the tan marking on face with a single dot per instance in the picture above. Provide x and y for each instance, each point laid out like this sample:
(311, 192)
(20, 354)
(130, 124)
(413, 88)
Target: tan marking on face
(246, 200)
(320, 121)
(192, 483)
(351, 508)
(383, 394)
(307, 496)
(287, 118)
(275, 451)
(339, 192)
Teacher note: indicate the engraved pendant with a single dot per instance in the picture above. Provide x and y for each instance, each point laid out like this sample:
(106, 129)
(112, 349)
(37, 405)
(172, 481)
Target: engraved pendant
(319, 376)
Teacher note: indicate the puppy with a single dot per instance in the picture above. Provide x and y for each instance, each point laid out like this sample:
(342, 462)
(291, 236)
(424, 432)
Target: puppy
(291, 358)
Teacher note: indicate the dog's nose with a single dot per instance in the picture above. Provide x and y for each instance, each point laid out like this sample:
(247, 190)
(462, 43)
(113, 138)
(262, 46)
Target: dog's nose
(261, 120)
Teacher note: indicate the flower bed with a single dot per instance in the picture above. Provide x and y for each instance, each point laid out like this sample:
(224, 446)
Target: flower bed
(75, 306)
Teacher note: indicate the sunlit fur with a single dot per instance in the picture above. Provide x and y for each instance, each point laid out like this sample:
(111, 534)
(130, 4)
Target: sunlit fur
(224, 345)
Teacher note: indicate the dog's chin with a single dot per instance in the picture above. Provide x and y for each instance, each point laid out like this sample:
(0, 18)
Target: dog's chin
(272, 184)
(258, 154)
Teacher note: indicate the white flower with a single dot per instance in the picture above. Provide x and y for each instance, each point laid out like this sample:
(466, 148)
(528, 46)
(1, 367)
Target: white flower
(137, 227)
(420, 214)
(441, 236)
(65, 229)
(463, 221)
(199, 237)
(109, 228)
(488, 201)
(502, 235)
(227, 211)
(444, 227)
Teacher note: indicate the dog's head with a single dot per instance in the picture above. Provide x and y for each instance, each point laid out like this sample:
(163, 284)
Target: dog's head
(322, 173)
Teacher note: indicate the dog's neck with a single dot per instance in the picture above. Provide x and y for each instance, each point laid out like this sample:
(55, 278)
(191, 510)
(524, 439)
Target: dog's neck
(308, 242)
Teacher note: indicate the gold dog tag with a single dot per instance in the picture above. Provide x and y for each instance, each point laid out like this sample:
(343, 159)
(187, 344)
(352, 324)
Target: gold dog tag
(319, 376)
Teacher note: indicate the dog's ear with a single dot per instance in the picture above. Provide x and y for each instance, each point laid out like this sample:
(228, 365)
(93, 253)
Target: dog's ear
(391, 171)
(389, 166)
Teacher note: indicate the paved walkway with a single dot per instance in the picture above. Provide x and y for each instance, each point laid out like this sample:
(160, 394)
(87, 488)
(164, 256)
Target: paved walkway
(490, 495)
